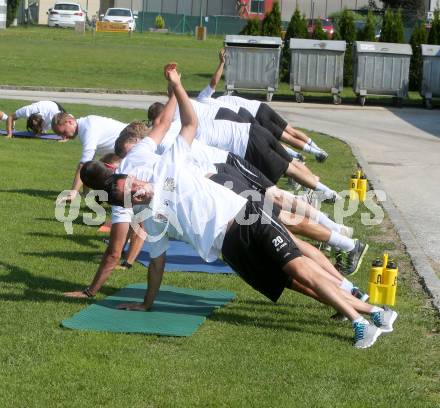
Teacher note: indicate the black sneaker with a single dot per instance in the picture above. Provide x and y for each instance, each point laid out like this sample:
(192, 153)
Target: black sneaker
(348, 262)
(321, 157)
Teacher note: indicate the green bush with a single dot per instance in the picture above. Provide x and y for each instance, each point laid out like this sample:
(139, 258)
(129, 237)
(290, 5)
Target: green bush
(387, 31)
(11, 11)
(297, 28)
(252, 27)
(271, 25)
(418, 37)
(434, 32)
(347, 31)
(318, 32)
(398, 28)
(368, 33)
(159, 22)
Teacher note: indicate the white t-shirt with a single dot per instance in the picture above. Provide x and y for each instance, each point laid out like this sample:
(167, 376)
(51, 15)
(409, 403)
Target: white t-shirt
(251, 105)
(47, 109)
(204, 112)
(202, 153)
(187, 206)
(205, 96)
(97, 135)
(225, 134)
(170, 137)
(138, 162)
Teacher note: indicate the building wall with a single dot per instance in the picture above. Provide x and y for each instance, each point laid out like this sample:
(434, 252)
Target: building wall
(317, 8)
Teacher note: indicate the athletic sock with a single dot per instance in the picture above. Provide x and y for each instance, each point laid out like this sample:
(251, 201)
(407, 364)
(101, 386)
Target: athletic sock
(328, 223)
(324, 188)
(312, 143)
(360, 319)
(339, 241)
(375, 309)
(346, 285)
(311, 149)
(292, 153)
(4, 116)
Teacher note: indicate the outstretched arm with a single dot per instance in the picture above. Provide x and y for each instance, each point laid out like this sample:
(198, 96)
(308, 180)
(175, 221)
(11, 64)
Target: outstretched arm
(188, 117)
(10, 123)
(155, 274)
(109, 261)
(219, 71)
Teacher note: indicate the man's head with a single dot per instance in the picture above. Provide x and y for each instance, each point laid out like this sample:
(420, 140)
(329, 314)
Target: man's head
(130, 135)
(96, 175)
(35, 124)
(65, 125)
(154, 111)
(111, 161)
(126, 191)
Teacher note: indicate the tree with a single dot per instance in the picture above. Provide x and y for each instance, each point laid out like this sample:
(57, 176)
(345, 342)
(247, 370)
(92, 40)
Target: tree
(434, 32)
(418, 37)
(252, 27)
(398, 28)
(368, 33)
(271, 26)
(318, 32)
(297, 28)
(12, 11)
(347, 32)
(387, 31)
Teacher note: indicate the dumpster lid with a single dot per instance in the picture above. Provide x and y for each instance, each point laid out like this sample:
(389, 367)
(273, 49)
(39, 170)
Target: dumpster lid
(252, 39)
(303, 44)
(429, 50)
(383, 48)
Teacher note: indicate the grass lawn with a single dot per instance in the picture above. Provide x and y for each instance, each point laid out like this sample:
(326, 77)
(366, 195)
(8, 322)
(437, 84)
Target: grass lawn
(41, 56)
(251, 353)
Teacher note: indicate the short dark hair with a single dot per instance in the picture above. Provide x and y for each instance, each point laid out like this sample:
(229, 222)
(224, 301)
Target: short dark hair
(114, 195)
(96, 175)
(154, 111)
(35, 123)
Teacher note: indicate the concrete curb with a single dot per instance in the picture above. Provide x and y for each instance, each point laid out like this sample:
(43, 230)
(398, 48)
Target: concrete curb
(82, 90)
(429, 279)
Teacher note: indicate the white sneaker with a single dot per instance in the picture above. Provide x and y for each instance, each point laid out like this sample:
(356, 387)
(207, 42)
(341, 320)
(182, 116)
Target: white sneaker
(365, 334)
(384, 319)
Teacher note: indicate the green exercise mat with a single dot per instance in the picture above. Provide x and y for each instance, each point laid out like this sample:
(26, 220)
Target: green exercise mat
(176, 311)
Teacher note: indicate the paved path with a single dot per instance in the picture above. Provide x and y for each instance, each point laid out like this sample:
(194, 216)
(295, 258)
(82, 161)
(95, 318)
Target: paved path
(399, 150)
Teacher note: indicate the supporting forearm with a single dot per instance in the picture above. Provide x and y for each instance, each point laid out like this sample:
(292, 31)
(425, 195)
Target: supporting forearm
(77, 183)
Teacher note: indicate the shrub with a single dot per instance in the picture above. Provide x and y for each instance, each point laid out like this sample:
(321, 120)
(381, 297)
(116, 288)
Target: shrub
(398, 28)
(159, 22)
(271, 25)
(11, 11)
(418, 37)
(252, 27)
(387, 31)
(347, 32)
(434, 32)
(369, 31)
(318, 32)
(297, 28)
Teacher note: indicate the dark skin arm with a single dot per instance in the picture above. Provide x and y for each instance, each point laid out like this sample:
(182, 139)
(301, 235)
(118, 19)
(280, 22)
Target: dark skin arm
(109, 261)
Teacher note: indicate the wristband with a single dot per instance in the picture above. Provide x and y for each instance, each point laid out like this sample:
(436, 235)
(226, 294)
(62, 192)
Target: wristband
(126, 264)
(88, 293)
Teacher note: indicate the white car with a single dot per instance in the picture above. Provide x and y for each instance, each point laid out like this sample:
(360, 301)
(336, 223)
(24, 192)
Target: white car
(65, 14)
(121, 15)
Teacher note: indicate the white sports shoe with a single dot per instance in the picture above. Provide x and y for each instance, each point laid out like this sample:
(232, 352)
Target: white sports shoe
(365, 334)
(384, 319)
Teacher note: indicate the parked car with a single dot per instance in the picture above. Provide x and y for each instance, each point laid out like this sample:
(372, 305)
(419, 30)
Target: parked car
(120, 15)
(327, 26)
(65, 14)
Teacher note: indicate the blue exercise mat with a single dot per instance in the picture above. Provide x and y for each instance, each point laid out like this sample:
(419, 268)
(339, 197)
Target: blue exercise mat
(183, 258)
(30, 135)
(176, 311)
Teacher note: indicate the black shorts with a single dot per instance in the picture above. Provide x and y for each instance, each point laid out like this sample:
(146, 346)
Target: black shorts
(246, 115)
(255, 177)
(269, 119)
(227, 114)
(266, 153)
(259, 251)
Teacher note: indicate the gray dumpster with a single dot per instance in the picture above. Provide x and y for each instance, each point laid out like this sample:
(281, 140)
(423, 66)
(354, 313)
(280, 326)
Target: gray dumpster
(252, 63)
(431, 73)
(317, 66)
(2, 14)
(381, 69)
